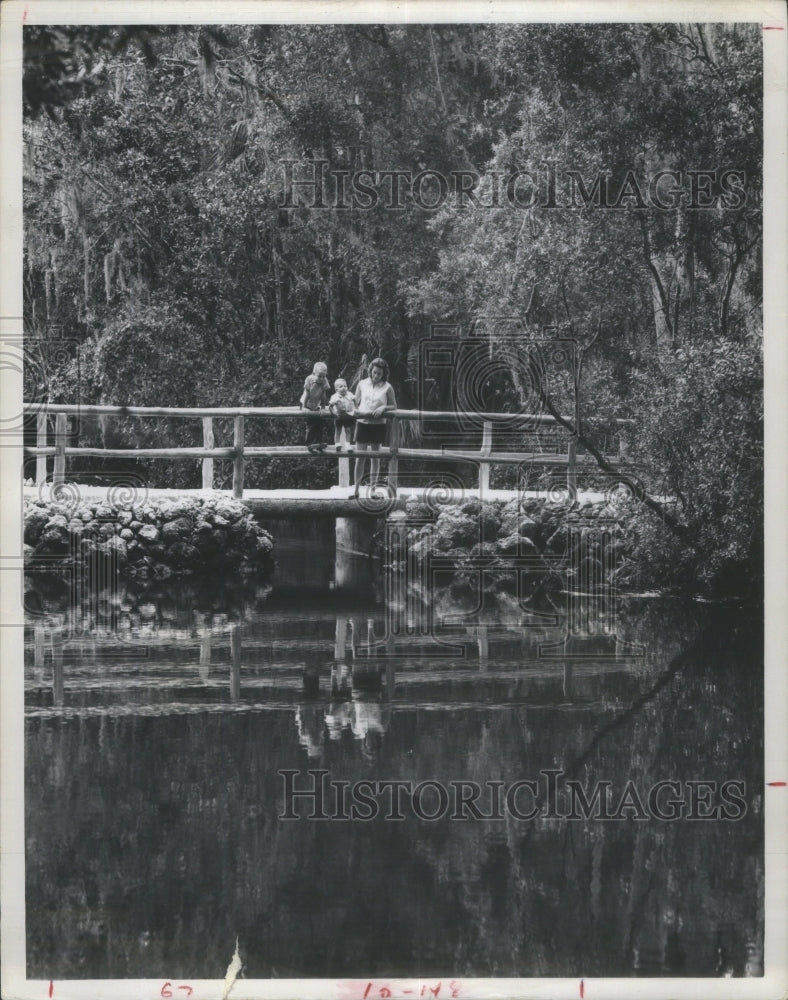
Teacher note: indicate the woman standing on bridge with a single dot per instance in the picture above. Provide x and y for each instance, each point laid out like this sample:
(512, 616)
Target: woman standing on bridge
(374, 398)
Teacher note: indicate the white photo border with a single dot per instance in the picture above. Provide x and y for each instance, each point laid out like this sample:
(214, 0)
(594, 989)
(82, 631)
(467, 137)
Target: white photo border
(772, 15)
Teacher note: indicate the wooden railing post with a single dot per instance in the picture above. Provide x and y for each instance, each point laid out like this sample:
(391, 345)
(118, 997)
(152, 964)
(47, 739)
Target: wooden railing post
(207, 463)
(484, 467)
(238, 461)
(393, 473)
(571, 464)
(41, 442)
(343, 465)
(61, 432)
(343, 472)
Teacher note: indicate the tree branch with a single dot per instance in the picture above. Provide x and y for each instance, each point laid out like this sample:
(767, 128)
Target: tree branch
(663, 298)
(653, 505)
(437, 71)
(261, 90)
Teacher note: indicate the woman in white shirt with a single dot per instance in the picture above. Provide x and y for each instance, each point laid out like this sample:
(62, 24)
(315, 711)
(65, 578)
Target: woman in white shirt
(374, 398)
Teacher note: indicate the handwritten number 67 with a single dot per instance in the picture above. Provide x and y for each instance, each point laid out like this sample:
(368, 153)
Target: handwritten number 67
(167, 990)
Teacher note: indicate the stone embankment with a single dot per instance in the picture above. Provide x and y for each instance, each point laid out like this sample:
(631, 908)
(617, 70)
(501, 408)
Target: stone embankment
(188, 536)
(546, 538)
(155, 538)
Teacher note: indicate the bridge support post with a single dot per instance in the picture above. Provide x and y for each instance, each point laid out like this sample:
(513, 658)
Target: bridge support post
(353, 558)
(238, 461)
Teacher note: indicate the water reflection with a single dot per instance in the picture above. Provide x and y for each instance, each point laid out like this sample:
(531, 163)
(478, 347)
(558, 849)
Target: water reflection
(356, 700)
(158, 723)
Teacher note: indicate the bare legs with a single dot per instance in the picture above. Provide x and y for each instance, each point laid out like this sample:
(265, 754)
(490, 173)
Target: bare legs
(374, 466)
(343, 428)
(361, 464)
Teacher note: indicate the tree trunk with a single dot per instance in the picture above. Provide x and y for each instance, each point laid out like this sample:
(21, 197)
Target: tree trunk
(662, 312)
(86, 272)
(279, 318)
(727, 290)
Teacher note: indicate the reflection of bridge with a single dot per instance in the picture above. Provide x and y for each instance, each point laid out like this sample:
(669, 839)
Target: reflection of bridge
(532, 440)
(271, 665)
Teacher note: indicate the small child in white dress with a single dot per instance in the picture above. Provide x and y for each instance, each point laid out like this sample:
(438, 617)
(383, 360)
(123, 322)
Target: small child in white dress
(343, 407)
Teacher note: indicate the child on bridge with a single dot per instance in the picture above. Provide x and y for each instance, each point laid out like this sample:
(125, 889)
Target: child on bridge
(313, 398)
(343, 407)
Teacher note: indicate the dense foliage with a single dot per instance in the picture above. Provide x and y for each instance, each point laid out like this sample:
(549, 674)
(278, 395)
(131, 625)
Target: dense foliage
(159, 253)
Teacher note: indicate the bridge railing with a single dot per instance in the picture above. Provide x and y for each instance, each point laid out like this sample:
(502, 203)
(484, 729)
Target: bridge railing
(239, 453)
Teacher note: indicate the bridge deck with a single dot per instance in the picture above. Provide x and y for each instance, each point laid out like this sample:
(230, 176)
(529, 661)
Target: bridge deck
(338, 501)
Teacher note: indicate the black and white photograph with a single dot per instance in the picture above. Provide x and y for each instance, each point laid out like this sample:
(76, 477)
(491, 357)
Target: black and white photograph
(393, 448)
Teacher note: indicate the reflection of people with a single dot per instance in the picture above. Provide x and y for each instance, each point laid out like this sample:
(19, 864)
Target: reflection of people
(311, 680)
(368, 725)
(374, 398)
(356, 704)
(341, 681)
(313, 398)
(367, 717)
(343, 407)
(309, 717)
(338, 715)
(309, 723)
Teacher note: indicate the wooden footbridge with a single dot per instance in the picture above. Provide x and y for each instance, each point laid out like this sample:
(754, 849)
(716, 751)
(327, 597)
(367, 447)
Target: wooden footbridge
(544, 442)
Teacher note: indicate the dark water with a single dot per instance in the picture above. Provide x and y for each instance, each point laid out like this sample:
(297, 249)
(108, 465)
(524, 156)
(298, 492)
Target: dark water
(157, 726)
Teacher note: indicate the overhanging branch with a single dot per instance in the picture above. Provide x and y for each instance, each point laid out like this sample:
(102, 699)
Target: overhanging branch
(653, 505)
